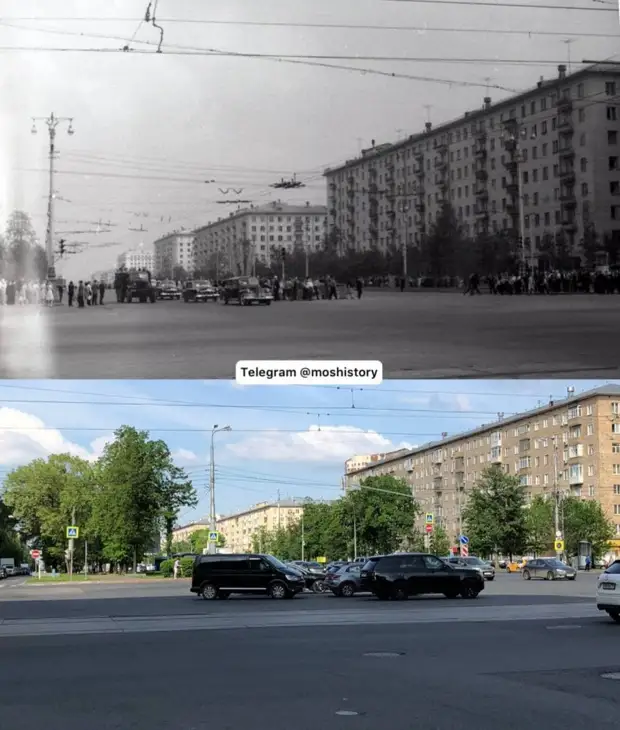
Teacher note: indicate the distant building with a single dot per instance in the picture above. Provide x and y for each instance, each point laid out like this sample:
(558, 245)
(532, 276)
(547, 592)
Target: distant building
(174, 251)
(137, 258)
(543, 163)
(234, 243)
(362, 461)
(107, 277)
(240, 528)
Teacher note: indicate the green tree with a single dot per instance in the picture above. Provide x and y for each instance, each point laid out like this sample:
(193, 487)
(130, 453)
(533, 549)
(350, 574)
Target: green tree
(539, 525)
(139, 490)
(495, 514)
(385, 514)
(199, 540)
(11, 545)
(445, 238)
(584, 519)
(43, 496)
(25, 257)
(440, 542)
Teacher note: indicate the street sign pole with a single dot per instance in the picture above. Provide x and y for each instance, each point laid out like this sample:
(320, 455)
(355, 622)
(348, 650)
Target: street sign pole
(71, 547)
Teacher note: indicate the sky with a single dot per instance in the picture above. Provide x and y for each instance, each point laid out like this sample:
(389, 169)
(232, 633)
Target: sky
(287, 440)
(152, 128)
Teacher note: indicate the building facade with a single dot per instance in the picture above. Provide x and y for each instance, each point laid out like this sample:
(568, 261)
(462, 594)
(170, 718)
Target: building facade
(246, 237)
(240, 528)
(137, 258)
(107, 277)
(542, 163)
(570, 447)
(173, 252)
(360, 461)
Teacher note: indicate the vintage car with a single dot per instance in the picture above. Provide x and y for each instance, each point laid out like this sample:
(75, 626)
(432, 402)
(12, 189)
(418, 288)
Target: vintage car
(245, 290)
(200, 291)
(168, 290)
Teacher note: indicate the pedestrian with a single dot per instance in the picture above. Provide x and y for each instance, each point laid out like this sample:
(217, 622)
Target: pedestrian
(70, 293)
(359, 285)
(95, 288)
(61, 291)
(101, 291)
(49, 294)
(80, 294)
(176, 568)
(89, 293)
(588, 563)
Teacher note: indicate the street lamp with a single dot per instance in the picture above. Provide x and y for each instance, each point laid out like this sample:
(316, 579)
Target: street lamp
(212, 516)
(52, 123)
(514, 133)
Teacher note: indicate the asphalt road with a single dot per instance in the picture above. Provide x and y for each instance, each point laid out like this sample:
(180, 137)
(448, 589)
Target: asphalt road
(510, 675)
(173, 598)
(415, 335)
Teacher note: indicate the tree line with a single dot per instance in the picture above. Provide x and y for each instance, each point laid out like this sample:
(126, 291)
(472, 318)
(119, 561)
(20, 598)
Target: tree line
(122, 502)
(380, 517)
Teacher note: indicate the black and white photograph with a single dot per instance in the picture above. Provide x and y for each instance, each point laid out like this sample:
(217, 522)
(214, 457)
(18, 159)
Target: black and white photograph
(435, 186)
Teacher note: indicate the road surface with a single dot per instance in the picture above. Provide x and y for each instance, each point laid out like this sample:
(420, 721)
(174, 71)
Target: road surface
(415, 335)
(467, 672)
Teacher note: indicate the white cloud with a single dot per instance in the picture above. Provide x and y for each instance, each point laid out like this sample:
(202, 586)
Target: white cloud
(440, 402)
(23, 437)
(184, 456)
(330, 444)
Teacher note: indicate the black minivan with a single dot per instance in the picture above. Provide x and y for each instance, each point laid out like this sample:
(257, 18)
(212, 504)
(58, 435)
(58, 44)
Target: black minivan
(218, 576)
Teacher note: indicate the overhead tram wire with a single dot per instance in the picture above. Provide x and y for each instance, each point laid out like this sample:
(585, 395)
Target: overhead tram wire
(149, 400)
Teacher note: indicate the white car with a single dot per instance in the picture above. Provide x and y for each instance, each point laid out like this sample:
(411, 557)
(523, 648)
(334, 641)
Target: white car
(608, 591)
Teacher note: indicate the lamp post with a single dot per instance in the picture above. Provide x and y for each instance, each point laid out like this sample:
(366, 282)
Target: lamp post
(52, 123)
(514, 133)
(405, 208)
(212, 516)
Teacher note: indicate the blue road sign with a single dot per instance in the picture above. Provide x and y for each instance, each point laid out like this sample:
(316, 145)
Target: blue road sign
(73, 532)
(464, 540)
(213, 537)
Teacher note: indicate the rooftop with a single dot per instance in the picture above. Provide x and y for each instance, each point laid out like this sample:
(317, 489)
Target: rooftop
(612, 390)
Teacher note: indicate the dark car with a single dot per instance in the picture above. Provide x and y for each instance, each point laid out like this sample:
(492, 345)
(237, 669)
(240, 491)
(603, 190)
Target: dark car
(471, 561)
(218, 576)
(412, 574)
(314, 574)
(3, 573)
(548, 569)
(200, 291)
(169, 291)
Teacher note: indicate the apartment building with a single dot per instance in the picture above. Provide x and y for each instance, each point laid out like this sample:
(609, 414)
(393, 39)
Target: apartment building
(545, 161)
(361, 461)
(236, 243)
(572, 446)
(239, 528)
(183, 532)
(174, 251)
(137, 258)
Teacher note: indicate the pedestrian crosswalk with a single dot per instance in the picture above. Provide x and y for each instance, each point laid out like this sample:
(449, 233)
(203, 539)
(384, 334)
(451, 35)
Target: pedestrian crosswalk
(206, 620)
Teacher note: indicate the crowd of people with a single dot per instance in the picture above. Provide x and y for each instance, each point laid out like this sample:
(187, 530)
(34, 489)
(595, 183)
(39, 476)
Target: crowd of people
(48, 293)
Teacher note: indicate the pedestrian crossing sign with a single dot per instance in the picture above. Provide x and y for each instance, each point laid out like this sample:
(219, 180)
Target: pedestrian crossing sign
(213, 536)
(73, 532)
(430, 518)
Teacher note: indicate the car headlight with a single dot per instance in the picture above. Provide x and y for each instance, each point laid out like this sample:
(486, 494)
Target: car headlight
(291, 576)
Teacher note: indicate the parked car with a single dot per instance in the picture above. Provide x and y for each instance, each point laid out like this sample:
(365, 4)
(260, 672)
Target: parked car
(548, 569)
(3, 572)
(169, 291)
(314, 574)
(411, 574)
(218, 576)
(200, 291)
(608, 591)
(346, 581)
(245, 290)
(487, 570)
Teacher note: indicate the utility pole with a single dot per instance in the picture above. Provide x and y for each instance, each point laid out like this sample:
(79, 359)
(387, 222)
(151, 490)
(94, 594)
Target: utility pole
(71, 547)
(303, 536)
(52, 123)
(279, 525)
(212, 514)
(405, 209)
(354, 535)
(556, 494)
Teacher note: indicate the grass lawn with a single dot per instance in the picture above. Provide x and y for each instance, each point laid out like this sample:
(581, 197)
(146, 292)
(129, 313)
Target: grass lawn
(94, 578)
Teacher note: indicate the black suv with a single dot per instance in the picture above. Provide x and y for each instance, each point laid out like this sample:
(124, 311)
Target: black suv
(411, 574)
(217, 576)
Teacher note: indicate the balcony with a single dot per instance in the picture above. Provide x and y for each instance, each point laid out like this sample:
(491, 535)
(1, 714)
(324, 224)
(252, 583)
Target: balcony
(570, 226)
(567, 176)
(351, 180)
(482, 193)
(481, 174)
(512, 188)
(570, 203)
(510, 145)
(575, 477)
(442, 148)
(481, 212)
(373, 189)
(512, 209)
(567, 196)
(567, 153)
(351, 207)
(481, 136)
(372, 172)
(351, 192)
(481, 152)
(332, 186)
(373, 230)
(565, 104)
(333, 212)
(419, 172)
(373, 214)
(565, 126)
(459, 464)
(420, 206)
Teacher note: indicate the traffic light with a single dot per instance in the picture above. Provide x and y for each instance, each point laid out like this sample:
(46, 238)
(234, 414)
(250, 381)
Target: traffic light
(283, 253)
(62, 246)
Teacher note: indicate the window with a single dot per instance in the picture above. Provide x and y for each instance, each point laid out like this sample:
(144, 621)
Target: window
(432, 563)
(257, 565)
(616, 469)
(612, 114)
(612, 137)
(616, 488)
(610, 88)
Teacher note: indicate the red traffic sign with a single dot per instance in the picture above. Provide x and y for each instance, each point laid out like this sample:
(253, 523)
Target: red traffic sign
(429, 528)
(35, 554)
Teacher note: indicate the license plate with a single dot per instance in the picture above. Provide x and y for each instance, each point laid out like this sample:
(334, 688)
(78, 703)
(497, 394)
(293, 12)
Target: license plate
(608, 586)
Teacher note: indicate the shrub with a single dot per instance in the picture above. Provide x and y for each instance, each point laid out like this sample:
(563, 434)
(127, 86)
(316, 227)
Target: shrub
(187, 566)
(167, 568)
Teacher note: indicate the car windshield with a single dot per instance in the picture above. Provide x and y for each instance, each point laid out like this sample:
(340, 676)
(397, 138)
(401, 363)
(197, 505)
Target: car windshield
(614, 567)
(473, 561)
(277, 563)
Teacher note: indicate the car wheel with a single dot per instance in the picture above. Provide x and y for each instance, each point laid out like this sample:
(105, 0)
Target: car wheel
(209, 592)
(318, 586)
(469, 591)
(527, 575)
(277, 590)
(399, 593)
(347, 590)
(615, 615)
(550, 575)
